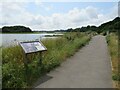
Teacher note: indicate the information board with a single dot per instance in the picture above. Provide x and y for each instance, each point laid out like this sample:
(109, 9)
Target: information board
(33, 46)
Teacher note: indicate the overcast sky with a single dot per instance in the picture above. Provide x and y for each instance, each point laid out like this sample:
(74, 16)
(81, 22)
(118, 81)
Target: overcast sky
(56, 15)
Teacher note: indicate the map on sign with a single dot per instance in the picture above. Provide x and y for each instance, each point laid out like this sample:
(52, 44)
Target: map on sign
(34, 46)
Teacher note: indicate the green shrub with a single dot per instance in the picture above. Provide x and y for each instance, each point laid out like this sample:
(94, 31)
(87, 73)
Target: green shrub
(116, 77)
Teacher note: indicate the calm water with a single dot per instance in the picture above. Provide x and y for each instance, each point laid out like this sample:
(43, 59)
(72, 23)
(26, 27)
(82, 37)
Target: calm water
(12, 39)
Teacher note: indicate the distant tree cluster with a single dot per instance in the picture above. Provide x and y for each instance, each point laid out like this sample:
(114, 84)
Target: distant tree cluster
(111, 26)
(15, 29)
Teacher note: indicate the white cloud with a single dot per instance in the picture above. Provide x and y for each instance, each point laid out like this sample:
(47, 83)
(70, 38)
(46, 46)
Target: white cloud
(16, 14)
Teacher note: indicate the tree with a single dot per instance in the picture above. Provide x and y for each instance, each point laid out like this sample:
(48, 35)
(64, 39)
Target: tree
(15, 29)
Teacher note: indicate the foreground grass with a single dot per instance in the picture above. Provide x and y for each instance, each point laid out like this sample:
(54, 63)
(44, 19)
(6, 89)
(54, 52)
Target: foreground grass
(112, 40)
(59, 49)
(0, 68)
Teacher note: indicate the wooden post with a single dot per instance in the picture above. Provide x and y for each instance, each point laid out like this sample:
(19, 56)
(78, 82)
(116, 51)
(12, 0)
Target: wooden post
(40, 60)
(26, 68)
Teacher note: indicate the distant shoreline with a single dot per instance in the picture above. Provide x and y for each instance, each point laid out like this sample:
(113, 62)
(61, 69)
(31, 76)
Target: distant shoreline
(30, 32)
(23, 33)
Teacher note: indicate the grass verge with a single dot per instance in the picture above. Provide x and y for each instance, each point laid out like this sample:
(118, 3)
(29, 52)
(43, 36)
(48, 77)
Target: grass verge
(112, 40)
(13, 70)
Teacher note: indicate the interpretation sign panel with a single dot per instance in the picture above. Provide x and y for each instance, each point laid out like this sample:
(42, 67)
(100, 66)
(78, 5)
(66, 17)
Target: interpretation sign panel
(33, 46)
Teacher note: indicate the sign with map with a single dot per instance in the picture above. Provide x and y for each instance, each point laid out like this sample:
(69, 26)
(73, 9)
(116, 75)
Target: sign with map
(32, 46)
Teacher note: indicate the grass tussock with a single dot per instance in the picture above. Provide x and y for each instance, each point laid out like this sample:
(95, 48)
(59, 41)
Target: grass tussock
(112, 40)
(59, 49)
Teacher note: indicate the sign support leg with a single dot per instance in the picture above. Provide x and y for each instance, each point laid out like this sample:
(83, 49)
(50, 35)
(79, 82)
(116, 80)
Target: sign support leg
(40, 60)
(26, 68)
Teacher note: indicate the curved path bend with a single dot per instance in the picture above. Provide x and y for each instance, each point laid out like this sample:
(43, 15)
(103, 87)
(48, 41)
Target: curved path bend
(90, 67)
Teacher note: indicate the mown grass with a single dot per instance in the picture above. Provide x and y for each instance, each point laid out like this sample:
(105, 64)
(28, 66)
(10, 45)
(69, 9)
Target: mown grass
(58, 50)
(112, 40)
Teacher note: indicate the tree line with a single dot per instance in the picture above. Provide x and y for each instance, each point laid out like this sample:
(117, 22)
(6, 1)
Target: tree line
(15, 29)
(111, 26)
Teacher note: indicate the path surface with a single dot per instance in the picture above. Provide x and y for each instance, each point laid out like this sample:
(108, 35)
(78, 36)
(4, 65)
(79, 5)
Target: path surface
(89, 68)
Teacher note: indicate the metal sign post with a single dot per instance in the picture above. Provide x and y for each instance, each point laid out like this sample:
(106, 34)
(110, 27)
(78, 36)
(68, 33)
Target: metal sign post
(29, 48)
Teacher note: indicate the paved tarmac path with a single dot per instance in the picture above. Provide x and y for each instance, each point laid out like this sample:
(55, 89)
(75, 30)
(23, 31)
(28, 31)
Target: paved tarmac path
(90, 67)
